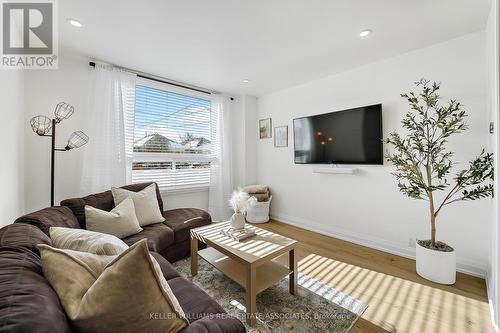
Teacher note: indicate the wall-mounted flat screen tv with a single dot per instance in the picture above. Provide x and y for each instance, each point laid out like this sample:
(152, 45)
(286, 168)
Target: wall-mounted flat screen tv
(351, 136)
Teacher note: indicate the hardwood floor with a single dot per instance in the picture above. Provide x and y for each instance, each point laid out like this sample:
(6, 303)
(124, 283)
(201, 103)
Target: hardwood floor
(399, 300)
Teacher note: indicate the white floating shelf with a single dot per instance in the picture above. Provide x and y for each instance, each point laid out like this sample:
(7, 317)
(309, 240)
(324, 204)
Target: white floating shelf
(346, 171)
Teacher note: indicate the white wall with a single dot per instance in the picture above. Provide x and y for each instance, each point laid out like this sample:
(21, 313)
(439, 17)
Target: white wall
(251, 129)
(492, 54)
(44, 89)
(12, 142)
(367, 208)
(71, 83)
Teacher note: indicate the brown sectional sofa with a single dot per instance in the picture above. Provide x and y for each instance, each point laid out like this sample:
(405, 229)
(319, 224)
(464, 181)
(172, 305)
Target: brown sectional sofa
(29, 304)
(170, 239)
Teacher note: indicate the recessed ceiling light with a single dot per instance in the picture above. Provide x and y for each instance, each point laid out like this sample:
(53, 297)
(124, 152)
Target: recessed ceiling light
(246, 81)
(75, 23)
(365, 33)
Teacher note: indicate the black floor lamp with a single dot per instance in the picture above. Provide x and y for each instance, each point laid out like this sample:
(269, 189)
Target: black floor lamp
(44, 126)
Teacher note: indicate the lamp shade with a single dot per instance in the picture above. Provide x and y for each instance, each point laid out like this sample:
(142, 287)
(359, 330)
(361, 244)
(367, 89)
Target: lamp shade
(41, 125)
(63, 111)
(76, 140)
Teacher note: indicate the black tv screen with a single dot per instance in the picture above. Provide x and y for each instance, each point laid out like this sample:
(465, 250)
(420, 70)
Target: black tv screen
(351, 136)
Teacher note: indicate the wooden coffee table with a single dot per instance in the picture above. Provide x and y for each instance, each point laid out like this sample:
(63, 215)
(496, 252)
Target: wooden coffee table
(249, 262)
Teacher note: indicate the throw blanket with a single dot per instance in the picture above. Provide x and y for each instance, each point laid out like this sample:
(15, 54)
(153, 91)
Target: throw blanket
(261, 197)
(256, 189)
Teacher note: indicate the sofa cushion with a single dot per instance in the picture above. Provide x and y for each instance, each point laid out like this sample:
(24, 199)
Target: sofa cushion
(145, 203)
(182, 220)
(50, 217)
(159, 237)
(121, 221)
(179, 250)
(103, 200)
(167, 269)
(27, 301)
(194, 301)
(92, 291)
(86, 241)
(204, 314)
(23, 235)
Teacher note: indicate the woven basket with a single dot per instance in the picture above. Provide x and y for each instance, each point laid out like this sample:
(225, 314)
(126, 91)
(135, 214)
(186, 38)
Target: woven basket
(259, 212)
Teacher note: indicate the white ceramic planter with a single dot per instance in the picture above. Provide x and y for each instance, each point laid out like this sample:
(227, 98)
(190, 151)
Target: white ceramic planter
(436, 266)
(237, 221)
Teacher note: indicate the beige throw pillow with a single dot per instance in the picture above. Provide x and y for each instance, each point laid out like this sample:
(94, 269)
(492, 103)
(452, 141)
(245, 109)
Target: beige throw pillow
(86, 241)
(113, 294)
(145, 202)
(120, 222)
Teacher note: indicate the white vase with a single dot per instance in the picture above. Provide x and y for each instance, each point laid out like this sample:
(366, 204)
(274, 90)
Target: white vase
(237, 221)
(436, 266)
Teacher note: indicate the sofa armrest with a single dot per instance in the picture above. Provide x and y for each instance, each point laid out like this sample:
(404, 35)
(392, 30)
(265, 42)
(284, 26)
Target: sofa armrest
(50, 217)
(23, 235)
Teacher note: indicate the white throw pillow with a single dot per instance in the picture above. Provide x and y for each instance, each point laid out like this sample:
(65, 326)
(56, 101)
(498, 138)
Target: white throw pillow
(120, 222)
(146, 204)
(86, 241)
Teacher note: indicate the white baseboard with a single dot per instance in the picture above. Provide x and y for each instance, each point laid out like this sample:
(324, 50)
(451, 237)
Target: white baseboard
(464, 265)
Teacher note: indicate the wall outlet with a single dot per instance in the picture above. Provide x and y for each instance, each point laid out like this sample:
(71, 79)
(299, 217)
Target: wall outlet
(412, 243)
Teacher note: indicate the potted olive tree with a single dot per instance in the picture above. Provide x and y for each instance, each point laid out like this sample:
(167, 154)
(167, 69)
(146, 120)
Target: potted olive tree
(423, 166)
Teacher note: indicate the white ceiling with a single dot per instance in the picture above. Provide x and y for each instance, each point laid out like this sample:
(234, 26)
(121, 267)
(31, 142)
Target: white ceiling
(274, 43)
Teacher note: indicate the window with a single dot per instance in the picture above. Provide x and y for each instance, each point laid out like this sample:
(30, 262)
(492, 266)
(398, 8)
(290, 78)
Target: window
(172, 137)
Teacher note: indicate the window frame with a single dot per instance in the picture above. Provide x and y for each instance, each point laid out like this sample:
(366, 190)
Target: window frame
(175, 157)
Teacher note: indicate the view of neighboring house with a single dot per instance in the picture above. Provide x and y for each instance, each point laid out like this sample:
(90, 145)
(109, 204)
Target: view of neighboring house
(157, 143)
(197, 145)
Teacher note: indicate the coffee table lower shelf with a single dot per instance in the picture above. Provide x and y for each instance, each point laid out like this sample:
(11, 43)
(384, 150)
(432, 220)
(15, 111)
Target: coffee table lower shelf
(267, 274)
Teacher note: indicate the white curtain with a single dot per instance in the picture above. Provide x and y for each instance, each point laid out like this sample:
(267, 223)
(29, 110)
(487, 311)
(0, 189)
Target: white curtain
(108, 157)
(221, 178)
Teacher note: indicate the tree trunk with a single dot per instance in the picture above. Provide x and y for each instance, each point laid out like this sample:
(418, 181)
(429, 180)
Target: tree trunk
(431, 207)
(433, 226)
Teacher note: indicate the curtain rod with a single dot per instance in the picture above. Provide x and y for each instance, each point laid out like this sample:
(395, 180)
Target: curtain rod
(162, 80)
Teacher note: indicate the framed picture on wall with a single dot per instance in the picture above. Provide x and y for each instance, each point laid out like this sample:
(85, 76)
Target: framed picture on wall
(265, 128)
(281, 136)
